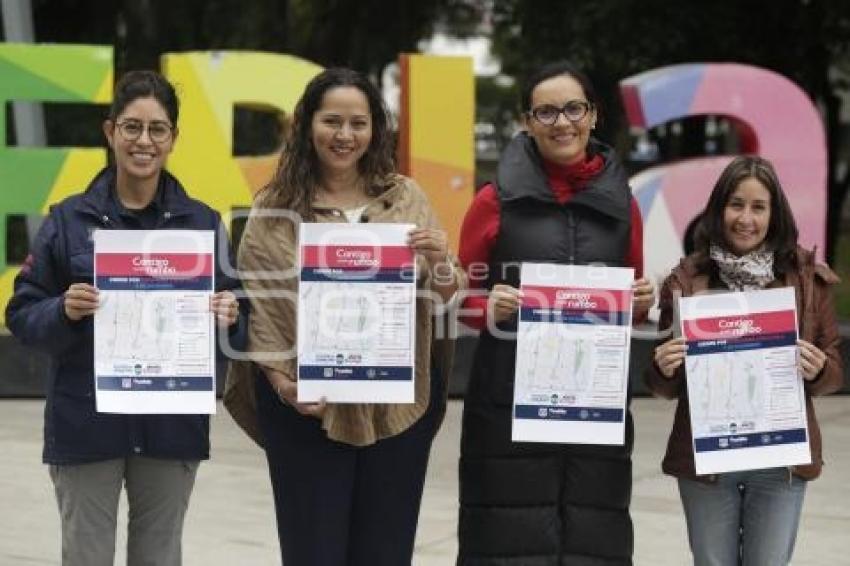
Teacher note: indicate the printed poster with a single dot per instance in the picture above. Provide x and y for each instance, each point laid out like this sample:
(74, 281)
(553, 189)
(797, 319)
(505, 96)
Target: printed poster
(746, 395)
(154, 341)
(356, 313)
(572, 361)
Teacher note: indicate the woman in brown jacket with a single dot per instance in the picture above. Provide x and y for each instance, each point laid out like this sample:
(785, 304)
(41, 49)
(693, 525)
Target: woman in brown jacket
(747, 240)
(347, 478)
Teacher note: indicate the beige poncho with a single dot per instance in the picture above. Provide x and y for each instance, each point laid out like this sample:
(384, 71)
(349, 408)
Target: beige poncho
(269, 246)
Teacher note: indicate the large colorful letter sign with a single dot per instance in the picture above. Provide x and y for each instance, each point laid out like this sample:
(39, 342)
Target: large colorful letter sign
(209, 84)
(31, 178)
(436, 137)
(436, 145)
(775, 119)
(435, 133)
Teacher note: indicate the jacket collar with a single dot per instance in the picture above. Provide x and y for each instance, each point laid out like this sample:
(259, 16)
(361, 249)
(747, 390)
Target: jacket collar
(392, 192)
(521, 175)
(171, 197)
(691, 279)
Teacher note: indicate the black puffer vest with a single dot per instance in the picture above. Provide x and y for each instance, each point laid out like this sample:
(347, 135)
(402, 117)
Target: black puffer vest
(592, 228)
(526, 504)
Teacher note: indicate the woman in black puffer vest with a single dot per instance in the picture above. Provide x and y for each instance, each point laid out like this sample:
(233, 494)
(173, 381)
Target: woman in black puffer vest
(560, 197)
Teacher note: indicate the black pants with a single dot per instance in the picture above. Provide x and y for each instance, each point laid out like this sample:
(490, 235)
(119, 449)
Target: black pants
(342, 505)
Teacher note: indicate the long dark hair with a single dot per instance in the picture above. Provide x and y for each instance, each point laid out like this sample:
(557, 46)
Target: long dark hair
(293, 186)
(782, 231)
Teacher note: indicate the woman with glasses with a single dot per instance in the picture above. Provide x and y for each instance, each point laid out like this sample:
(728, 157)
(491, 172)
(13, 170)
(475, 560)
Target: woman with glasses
(746, 240)
(560, 196)
(92, 455)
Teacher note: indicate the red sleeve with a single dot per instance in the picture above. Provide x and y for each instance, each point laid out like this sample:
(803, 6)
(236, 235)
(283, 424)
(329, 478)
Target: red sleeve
(478, 235)
(634, 257)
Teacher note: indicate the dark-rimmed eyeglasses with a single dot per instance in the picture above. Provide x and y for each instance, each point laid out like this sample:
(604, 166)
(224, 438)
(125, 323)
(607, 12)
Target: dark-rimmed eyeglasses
(158, 131)
(574, 111)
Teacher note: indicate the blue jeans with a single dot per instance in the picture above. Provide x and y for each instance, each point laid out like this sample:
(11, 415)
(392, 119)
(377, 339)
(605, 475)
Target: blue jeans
(748, 518)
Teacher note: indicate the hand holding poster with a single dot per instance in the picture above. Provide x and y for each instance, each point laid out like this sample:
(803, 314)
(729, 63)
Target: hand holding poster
(572, 358)
(745, 394)
(356, 313)
(154, 344)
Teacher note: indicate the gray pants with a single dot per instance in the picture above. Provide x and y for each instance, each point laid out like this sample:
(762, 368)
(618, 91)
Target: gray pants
(157, 493)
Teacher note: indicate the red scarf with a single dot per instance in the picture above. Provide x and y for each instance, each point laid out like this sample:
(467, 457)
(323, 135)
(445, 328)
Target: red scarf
(566, 180)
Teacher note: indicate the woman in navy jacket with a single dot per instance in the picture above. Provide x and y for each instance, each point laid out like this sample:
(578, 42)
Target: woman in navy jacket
(90, 454)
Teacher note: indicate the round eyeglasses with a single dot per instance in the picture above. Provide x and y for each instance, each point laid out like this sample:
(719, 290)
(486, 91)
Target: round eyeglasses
(574, 111)
(158, 131)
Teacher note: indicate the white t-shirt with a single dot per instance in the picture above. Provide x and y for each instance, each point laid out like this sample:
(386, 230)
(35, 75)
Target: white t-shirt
(353, 214)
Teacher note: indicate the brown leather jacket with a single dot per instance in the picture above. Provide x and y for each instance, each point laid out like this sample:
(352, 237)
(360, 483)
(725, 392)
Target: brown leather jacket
(816, 319)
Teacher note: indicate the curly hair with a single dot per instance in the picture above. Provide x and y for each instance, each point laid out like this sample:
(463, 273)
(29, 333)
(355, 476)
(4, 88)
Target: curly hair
(298, 175)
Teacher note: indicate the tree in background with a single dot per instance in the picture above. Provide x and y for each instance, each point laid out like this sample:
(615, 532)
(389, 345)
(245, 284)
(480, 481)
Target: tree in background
(804, 40)
(366, 35)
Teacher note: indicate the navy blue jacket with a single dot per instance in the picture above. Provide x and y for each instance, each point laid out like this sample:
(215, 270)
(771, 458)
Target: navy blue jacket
(62, 254)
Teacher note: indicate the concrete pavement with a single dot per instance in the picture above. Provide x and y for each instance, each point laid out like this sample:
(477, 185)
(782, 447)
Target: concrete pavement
(231, 519)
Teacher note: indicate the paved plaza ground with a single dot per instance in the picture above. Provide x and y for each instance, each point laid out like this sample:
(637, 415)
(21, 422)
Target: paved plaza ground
(231, 520)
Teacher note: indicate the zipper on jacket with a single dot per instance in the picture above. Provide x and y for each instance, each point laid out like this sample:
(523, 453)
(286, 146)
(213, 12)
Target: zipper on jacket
(163, 220)
(571, 224)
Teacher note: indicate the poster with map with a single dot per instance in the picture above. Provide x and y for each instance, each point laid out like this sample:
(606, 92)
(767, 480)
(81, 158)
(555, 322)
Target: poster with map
(745, 391)
(572, 360)
(154, 341)
(356, 313)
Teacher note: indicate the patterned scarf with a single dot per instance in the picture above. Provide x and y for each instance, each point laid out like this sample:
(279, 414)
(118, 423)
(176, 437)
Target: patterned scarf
(748, 272)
